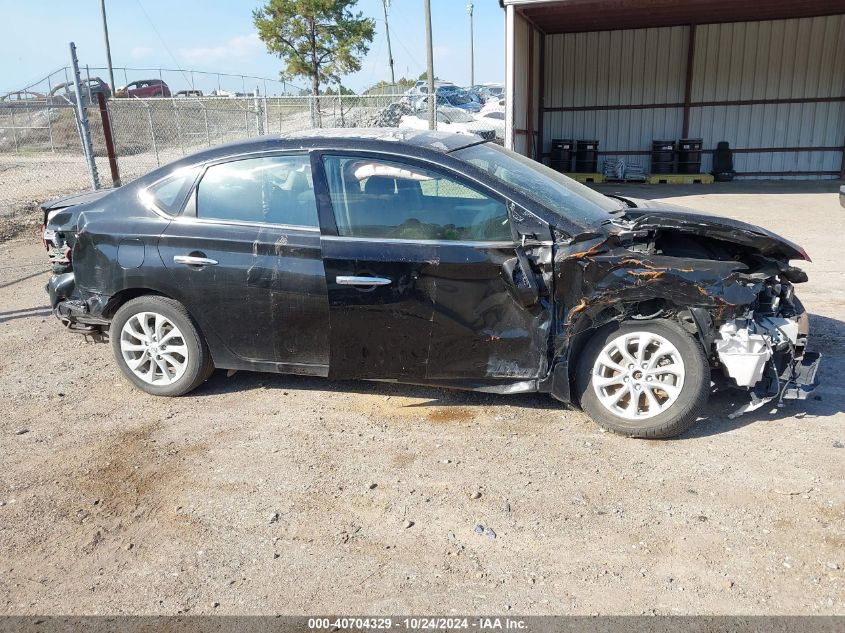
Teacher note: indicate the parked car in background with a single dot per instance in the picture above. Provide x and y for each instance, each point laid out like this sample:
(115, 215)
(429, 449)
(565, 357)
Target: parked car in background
(488, 92)
(453, 120)
(450, 96)
(493, 105)
(430, 258)
(842, 196)
(421, 86)
(90, 87)
(22, 98)
(144, 88)
(189, 93)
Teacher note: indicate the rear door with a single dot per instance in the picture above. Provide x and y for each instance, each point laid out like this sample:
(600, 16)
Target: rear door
(420, 270)
(245, 256)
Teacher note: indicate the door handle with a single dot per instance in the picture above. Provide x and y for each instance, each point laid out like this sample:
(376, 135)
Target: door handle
(349, 280)
(190, 260)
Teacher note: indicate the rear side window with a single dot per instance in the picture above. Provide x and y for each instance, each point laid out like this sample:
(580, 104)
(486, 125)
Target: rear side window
(387, 199)
(271, 189)
(169, 194)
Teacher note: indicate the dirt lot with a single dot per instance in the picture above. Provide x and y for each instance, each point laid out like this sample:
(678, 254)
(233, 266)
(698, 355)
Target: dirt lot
(275, 494)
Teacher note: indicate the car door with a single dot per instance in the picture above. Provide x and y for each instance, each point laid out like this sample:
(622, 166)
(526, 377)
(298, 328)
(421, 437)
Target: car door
(245, 255)
(423, 276)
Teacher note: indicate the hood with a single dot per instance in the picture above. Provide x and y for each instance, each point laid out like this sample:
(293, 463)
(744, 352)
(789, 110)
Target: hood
(647, 214)
(75, 199)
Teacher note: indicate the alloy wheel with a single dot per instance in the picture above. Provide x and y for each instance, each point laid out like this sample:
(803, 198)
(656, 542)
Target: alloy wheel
(153, 348)
(638, 375)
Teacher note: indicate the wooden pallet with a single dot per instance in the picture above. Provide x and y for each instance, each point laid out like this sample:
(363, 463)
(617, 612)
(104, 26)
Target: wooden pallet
(680, 179)
(592, 178)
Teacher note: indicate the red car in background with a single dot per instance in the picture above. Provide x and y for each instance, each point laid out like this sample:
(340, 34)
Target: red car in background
(144, 88)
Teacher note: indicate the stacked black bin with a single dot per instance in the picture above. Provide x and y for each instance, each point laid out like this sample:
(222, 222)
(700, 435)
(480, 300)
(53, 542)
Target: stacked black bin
(689, 155)
(662, 157)
(561, 157)
(587, 157)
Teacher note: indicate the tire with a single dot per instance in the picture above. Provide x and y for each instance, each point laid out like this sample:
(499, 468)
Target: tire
(178, 361)
(667, 411)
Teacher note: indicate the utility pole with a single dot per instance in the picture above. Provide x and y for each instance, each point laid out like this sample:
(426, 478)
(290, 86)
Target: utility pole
(471, 47)
(386, 4)
(108, 46)
(429, 57)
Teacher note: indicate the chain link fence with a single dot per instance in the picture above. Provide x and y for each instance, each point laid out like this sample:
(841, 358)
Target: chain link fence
(42, 156)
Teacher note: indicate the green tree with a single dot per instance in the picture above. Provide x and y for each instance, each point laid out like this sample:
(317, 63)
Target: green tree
(341, 90)
(318, 39)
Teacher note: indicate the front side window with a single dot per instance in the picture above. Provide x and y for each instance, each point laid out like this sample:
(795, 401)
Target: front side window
(271, 189)
(386, 199)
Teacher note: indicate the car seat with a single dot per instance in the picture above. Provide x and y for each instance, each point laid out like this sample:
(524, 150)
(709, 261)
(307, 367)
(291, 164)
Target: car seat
(723, 162)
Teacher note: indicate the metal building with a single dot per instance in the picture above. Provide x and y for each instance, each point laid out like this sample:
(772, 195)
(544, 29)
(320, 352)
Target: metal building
(768, 77)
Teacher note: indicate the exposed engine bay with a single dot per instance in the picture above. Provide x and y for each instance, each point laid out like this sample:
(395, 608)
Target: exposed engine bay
(728, 284)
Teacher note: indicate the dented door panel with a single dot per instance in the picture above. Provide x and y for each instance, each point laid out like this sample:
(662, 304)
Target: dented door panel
(447, 313)
(266, 295)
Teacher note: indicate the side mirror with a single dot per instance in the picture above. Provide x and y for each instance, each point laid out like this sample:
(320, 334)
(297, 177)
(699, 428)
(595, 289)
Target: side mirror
(520, 279)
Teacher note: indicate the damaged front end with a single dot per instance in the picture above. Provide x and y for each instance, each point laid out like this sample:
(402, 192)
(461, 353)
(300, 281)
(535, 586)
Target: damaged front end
(764, 350)
(728, 283)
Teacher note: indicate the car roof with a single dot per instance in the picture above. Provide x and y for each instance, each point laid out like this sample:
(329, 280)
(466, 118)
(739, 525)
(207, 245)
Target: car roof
(363, 139)
(426, 139)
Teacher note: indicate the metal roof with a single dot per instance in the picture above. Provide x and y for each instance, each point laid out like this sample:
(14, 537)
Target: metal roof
(577, 16)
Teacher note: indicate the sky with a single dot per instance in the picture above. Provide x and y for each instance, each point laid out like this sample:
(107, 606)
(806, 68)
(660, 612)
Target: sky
(219, 36)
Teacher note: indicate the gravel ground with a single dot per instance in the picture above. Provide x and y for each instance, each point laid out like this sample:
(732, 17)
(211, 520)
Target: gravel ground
(274, 494)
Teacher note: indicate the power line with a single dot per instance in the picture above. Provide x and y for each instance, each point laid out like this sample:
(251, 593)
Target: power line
(161, 39)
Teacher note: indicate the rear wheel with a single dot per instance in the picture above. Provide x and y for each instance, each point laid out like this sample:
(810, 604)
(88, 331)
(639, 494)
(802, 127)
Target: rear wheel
(643, 378)
(158, 347)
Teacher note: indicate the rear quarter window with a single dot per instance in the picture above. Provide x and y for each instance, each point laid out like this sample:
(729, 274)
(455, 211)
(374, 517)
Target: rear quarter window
(169, 194)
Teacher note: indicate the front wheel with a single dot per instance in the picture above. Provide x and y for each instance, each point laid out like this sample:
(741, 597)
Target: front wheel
(643, 378)
(158, 347)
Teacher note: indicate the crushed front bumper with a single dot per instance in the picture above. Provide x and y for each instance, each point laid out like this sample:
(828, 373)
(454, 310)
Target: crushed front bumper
(803, 376)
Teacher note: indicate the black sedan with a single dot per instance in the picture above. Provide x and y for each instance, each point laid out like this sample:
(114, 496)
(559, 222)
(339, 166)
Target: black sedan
(429, 258)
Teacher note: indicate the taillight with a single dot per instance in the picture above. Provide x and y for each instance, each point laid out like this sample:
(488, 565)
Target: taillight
(804, 254)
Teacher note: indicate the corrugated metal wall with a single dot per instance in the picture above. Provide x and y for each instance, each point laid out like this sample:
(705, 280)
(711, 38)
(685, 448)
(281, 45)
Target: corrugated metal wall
(786, 59)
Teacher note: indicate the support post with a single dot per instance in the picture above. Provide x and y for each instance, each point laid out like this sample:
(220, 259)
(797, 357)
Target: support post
(471, 46)
(178, 126)
(82, 120)
(259, 116)
(541, 100)
(152, 132)
(429, 58)
(688, 82)
(510, 78)
(266, 117)
(14, 128)
(530, 147)
(107, 133)
(205, 119)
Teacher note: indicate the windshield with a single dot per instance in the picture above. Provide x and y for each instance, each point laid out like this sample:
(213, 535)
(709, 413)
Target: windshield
(561, 195)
